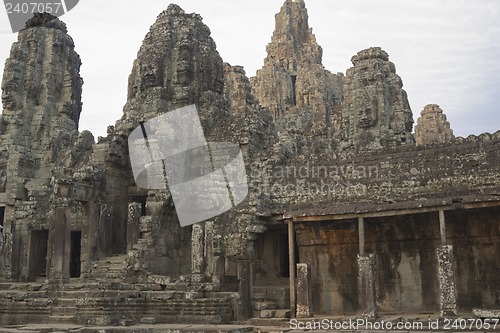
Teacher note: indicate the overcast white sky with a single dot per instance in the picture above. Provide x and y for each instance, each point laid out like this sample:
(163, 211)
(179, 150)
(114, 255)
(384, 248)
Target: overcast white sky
(447, 52)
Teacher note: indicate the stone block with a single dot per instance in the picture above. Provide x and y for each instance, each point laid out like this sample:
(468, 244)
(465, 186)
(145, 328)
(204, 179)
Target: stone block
(267, 314)
(264, 306)
(484, 313)
(284, 313)
(148, 320)
(127, 322)
(193, 295)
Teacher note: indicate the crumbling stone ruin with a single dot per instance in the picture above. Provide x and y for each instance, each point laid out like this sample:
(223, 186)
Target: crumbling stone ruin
(432, 126)
(347, 212)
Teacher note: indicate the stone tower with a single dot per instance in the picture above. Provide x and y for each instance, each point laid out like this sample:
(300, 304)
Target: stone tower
(375, 112)
(302, 96)
(173, 70)
(178, 65)
(41, 146)
(432, 126)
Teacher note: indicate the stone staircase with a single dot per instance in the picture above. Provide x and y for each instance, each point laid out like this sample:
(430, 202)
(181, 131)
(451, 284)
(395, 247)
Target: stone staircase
(63, 311)
(110, 268)
(271, 302)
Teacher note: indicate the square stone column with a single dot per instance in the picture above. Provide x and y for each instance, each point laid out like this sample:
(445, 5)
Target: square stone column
(197, 253)
(61, 243)
(245, 307)
(133, 221)
(447, 290)
(367, 285)
(304, 291)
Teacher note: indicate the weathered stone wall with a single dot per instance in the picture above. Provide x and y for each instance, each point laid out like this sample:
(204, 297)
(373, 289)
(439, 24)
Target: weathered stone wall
(464, 167)
(331, 249)
(405, 262)
(475, 236)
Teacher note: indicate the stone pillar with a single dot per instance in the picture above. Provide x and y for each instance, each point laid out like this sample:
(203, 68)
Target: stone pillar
(361, 235)
(197, 253)
(304, 291)
(218, 260)
(89, 238)
(133, 221)
(61, 242)
(367, 292)
(447, 291)
(291, 253)
(6, 252)
(245, 289)
(442, 227)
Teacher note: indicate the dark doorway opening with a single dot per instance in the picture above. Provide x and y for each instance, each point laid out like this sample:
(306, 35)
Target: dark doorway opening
(285, 255)
(294, 90)
(75, 265)
(38, 253)
(2, 218)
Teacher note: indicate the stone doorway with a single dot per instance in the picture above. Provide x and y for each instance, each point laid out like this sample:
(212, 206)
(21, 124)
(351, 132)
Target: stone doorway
(38, 254)
(75, 264)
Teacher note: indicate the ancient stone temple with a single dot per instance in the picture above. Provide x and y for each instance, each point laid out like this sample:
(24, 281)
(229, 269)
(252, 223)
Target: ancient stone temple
(345, 213)
(302, 96)
(375, 111)
(432, 126)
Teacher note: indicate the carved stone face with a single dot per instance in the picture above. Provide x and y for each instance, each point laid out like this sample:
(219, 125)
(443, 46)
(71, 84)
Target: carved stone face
(9, 101)
(151, 76)
(367, 117)
(185, 65)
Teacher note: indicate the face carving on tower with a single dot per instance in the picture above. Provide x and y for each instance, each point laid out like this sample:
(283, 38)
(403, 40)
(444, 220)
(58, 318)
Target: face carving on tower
(184, 64)
(151, 77)
(367, 117)
(9, 101)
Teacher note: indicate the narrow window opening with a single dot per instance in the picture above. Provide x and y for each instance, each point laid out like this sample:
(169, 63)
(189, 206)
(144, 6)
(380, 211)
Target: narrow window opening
(294, 91)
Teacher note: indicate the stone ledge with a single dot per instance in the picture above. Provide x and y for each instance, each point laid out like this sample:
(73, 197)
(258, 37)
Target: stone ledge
(483, 313)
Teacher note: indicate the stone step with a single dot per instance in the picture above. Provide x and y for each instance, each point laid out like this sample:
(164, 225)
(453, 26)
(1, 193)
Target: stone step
(66, 302)
(274, 322)
(56, 319)
(63, 310)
